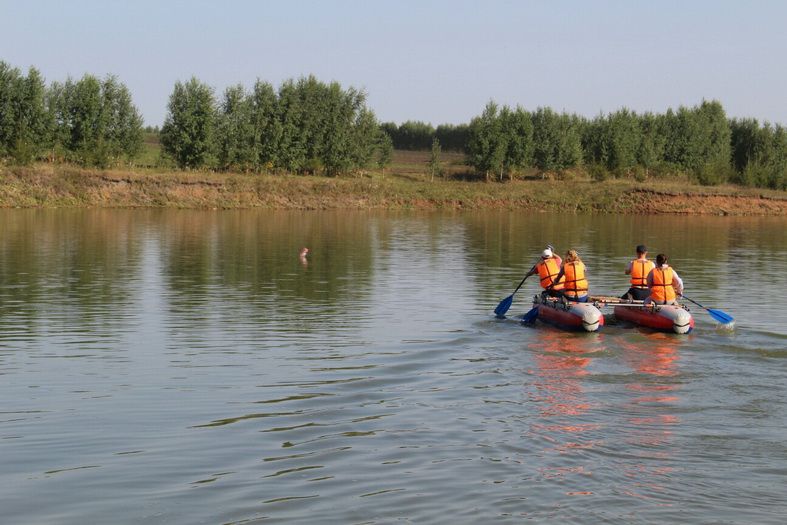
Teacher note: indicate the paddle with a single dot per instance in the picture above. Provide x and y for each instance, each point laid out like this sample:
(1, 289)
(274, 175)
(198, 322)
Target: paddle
(631, 305)
(531, 316)
(722, 317)
(505, 304)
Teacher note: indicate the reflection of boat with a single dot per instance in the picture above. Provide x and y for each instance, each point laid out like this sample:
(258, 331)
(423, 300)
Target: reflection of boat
(567, 314)
(666, 318)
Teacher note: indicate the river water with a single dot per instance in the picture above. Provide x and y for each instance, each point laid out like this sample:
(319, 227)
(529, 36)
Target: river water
(186, 367)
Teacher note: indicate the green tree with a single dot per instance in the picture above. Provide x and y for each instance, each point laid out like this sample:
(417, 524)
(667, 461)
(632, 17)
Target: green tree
(292, 142)
(518, 127)
(714, 143)
(488, 143)
(385, 149)
(25, 126)
(10, 81)
(321, 113)
(546, 138)
(324, 128)
(594, 147)
(121, 123)
(745, 142)
(366, 137)
(453, 138)
(777, 159)
(698, 140)
(87, 125)
(93, 122)
(340, 150)
(759, 154)
(188, 133)
(623, 140)
(265, 124)
(557, 140)
(78, 116)
(413, 135)
(434, 160)
(235, 137)
(653, 141)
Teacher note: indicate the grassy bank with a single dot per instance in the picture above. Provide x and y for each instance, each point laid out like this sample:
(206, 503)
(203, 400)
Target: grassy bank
(405, 185)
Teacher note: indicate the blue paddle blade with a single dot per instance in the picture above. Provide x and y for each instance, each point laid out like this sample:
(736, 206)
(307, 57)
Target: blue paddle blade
(722, 317)
(503, 307)
(718, 315)
(531, 316)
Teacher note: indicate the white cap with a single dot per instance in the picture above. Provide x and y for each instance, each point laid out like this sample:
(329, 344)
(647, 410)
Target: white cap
(546, 254)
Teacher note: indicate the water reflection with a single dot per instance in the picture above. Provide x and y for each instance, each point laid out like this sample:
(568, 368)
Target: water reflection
(74, 261)
(566, 423)
(652, 418)
(561, 363)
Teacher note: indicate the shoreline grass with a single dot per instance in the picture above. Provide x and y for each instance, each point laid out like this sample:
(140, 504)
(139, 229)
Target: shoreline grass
(56, 186)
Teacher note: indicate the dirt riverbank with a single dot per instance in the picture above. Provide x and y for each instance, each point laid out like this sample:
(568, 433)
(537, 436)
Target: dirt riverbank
(48, 186)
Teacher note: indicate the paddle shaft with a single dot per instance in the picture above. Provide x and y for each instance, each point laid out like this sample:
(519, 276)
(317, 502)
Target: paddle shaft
(640, 305)
(695, 302)
(505, 304)
(528, 274)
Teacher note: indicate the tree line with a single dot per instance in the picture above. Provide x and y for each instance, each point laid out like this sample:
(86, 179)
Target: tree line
(419, 136)
(306, 126)
(89, 121)
(700, 141)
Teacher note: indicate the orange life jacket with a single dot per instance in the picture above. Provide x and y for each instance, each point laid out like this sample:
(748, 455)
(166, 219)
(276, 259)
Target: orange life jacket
(547, 271)
(575, 283)
(640, 268)
(662, 289)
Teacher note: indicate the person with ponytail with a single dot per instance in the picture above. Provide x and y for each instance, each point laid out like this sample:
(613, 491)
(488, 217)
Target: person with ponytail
(574, 278)
(664, 283)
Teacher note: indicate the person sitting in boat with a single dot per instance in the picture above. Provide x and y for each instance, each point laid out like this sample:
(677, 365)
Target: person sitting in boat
(556, 256)
(639, 269)
(574, 275)
(664, 283)
(547, 269)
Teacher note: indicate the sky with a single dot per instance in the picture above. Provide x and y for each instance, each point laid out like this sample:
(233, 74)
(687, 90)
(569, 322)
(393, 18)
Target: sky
(428, 60)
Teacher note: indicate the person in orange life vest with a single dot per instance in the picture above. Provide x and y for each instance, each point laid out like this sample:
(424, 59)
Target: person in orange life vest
(664, 283)
(547, 269)
(556, 256)
(574, 275)
(639, 269)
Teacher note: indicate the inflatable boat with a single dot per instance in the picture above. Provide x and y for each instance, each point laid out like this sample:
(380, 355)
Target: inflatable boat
(665, 318)
(568, 315)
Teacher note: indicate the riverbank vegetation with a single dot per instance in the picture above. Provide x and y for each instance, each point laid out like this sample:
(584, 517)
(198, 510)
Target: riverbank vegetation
(309, 128)
(305, 127)
(700, 142)
(89, 121)
(407, 184)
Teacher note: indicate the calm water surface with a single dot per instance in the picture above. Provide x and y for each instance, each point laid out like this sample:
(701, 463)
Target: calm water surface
(186, 367)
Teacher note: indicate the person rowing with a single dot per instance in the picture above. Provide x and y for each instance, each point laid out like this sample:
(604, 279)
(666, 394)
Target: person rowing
(547, 269)
(574, 278)
(505, 304)
(664, 283)
(639, 269)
